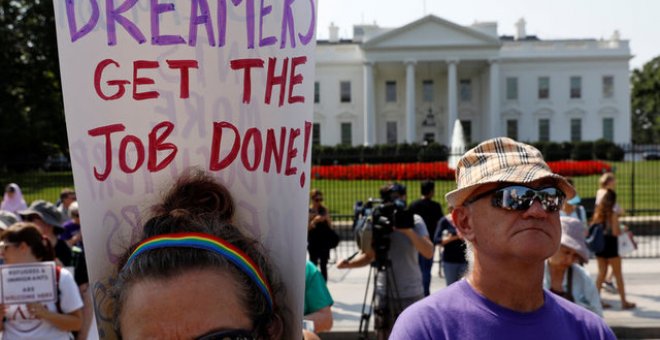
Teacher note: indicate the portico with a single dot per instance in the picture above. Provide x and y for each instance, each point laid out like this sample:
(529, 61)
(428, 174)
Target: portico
(429, 69)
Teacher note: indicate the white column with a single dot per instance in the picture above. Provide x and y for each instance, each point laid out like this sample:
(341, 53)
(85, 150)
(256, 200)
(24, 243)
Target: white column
(369, 103)
(452, 100)
(494, 100)
(411, 125)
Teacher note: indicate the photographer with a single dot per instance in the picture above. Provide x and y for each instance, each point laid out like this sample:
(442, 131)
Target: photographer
(408, 238)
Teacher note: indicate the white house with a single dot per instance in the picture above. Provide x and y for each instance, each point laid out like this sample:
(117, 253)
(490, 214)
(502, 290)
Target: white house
(409, 84)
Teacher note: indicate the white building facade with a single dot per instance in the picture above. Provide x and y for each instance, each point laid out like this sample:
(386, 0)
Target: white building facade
(410, 84)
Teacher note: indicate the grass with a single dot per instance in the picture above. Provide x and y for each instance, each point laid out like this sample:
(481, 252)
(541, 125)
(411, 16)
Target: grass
(38, 184)
(341, 195)
(643, 176)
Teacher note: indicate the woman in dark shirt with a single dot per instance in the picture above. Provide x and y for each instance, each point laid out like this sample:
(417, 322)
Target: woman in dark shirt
(454, 262)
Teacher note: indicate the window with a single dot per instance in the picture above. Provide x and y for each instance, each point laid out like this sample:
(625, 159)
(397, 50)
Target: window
(608, 86)
(427, 91)
(544, 87)
(390, 91)
(466, 90)
(317, 92)
(512, 128)
(346, 134)
(576, 130)
(511, 88)
(391, 133)
(608, 129)
(429, 137)
(576, 87)
(316, 134)
(544, 130)
(345, 91)
(467, 130)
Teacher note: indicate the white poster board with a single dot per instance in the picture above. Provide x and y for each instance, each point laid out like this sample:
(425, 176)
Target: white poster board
(153, 87)
(28, 283)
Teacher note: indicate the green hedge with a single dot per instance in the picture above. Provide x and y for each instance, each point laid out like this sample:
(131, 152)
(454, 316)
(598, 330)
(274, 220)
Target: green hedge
(434, 152)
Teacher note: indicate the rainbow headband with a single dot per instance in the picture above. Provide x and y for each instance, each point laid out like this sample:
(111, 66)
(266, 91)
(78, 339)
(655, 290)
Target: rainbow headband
(210, 243)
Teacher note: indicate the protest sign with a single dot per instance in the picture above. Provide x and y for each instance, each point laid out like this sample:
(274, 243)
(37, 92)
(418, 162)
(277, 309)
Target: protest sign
(28, 282)
(152, 88)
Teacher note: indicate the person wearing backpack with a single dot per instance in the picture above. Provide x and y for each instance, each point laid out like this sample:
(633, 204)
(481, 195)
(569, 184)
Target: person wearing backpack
(23, 243)
(609, 257)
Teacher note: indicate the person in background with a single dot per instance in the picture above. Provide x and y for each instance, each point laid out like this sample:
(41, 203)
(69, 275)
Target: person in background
(23, 243)
(573, 208)
(431, 212)
(319, 232)
(609, 257)
(317, 300)
(564, 276)
(49, 220)
(506, 206)
(67, 196)
(7, 218)
(454, 261)
(72, 235)
(194, 271)
(401, 285)
(607, 181)
(13, 200)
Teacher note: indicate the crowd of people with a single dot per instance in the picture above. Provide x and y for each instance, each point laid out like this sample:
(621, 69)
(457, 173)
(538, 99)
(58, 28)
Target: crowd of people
(513, 253)
(44, 232)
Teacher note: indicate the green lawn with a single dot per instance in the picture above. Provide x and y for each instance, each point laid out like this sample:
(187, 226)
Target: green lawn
(38, 184)
(340, 195)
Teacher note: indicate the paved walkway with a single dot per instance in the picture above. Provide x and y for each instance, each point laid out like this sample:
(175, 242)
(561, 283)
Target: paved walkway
(642, 279)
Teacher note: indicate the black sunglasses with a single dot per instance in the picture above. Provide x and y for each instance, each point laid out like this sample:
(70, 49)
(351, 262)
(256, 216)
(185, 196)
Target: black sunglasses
(232, 334)
(518, 197)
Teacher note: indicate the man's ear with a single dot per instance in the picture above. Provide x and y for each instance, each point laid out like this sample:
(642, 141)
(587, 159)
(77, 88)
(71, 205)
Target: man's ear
(462, 222)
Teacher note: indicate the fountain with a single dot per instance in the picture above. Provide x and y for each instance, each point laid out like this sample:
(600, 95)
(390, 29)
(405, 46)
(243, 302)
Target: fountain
(457, 146)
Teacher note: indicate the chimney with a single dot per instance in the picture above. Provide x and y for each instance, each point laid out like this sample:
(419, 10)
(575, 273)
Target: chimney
(520, 29)
(615, 39)
(334, 33)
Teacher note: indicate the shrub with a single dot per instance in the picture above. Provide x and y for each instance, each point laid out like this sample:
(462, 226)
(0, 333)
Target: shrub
(433, 152)
(582, 151)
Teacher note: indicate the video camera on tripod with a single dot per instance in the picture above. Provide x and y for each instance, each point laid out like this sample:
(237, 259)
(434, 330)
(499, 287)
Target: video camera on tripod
(376, 219)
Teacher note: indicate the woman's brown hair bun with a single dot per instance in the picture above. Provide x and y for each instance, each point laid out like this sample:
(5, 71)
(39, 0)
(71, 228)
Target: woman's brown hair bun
(197, 193)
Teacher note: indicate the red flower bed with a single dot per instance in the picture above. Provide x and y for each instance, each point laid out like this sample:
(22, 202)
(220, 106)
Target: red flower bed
(579, 168)
(435, 170)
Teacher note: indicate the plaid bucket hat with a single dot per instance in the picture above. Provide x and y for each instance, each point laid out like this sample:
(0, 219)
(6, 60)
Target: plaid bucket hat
(501, 160)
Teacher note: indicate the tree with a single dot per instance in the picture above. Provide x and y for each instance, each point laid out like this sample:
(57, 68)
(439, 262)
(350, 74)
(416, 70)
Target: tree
(31, 108)
(645, 104)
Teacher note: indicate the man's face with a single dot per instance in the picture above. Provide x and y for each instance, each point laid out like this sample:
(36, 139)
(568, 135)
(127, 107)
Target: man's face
(530, 235)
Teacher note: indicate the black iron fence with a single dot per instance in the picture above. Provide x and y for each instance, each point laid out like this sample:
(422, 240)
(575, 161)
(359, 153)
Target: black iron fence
(638, 192)
(637, 173)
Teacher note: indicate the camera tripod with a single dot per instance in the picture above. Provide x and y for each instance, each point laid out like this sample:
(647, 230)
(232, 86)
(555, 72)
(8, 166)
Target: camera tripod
(379, 267)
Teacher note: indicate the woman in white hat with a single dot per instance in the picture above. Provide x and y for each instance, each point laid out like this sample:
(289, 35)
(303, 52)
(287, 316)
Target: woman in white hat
(564, 276)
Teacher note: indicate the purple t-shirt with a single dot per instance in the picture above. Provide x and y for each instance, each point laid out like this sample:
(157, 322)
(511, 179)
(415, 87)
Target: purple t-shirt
(459, 312)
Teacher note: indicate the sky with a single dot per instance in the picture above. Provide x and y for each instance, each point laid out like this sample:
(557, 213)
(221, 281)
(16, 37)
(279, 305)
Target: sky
(637, 20)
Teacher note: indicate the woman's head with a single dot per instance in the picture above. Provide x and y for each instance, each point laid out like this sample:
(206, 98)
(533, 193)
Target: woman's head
(316, 196)
(10, 189)
(607, 181)
(23, 242)
(198, 210)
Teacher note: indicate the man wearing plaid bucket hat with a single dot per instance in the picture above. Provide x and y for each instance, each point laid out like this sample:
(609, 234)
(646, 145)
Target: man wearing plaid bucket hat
(506, 206)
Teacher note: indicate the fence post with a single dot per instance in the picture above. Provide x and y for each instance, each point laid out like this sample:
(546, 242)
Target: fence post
(632, 182)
